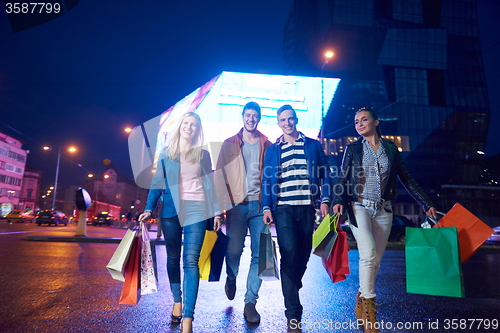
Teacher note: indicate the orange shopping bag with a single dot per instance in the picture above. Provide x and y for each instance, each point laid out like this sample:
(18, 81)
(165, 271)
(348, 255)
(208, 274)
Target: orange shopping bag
(472, 232)
(132, 285)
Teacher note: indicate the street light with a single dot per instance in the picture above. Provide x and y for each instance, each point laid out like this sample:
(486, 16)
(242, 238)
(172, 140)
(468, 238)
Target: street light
(328, 55)
(71, 150)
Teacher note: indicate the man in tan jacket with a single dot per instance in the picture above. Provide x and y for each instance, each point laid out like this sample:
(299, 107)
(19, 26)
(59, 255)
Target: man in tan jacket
(238, 182)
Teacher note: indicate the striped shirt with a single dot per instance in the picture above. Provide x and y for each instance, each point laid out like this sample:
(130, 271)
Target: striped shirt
(376, 168)
(294, 184)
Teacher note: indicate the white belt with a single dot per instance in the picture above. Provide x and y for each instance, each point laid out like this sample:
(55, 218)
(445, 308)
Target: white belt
(371, 203)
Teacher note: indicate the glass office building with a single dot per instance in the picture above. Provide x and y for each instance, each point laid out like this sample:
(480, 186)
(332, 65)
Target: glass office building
(419, 64)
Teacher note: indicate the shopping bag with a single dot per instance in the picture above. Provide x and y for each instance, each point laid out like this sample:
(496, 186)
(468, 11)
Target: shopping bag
(433, 265)
(206, 249)
(325, 242)
(217, 256)
(337, 265)
(472, 232)
(131, 287)
(268, 261)
(324, 229)
(149, 269)
(116, 265)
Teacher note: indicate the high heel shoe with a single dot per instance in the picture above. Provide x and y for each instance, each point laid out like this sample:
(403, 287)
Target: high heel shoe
(175, 319)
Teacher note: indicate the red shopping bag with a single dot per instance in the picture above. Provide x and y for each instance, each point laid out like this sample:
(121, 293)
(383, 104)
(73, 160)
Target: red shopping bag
(132, 285)
(472, 232)
(337, 265)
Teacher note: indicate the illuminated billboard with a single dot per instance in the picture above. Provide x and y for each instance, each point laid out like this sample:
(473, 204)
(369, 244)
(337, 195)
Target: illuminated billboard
(220, 103)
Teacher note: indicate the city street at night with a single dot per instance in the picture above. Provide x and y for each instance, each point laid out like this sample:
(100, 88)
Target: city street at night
(54, 286)
(381, 114)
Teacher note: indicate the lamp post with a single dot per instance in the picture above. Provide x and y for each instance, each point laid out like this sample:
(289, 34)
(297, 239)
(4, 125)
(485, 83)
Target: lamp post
(71, 149)
(328, 55)
(57, 177)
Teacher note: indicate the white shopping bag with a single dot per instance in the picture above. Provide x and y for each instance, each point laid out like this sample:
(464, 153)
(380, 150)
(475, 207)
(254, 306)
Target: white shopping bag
(149, 275)
(116, 265)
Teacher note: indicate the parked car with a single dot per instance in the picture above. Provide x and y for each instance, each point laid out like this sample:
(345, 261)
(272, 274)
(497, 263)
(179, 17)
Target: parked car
(51, 217)
(19, 216)
(103, 218)
(398, 229)
(495, 238)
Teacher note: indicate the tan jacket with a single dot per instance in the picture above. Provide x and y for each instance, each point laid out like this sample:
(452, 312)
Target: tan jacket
(230, 179)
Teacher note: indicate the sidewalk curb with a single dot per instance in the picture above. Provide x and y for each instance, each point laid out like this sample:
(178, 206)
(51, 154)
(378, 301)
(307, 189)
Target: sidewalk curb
(83, 239)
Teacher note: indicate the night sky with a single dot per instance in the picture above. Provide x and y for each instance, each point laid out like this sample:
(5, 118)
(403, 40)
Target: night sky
(81, 78)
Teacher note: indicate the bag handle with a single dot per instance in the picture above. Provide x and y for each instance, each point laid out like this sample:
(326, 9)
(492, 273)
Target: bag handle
(427, 225)
(335, 220)
(267, 230)
(144, 232)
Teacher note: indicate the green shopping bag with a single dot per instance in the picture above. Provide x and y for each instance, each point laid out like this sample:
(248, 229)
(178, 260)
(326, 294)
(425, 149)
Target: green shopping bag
(325, 236)
(328, 224)
(433, 265)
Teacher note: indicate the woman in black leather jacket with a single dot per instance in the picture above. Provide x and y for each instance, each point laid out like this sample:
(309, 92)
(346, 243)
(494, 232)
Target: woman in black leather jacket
(367, 184)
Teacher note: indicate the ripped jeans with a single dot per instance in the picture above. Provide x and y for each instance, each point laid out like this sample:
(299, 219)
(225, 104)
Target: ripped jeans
(374, 226)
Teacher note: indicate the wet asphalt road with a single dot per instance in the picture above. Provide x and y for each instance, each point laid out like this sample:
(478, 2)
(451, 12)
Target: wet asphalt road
(64, 286)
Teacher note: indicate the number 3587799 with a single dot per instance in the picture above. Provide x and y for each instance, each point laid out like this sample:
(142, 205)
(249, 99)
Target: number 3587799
(32, 8)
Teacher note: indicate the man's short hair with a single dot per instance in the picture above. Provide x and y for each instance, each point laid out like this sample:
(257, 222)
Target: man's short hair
(251, 106)
(287, 107)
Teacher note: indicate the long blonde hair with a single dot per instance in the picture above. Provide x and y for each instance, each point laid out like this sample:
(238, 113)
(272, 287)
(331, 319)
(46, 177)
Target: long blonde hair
(195, 153)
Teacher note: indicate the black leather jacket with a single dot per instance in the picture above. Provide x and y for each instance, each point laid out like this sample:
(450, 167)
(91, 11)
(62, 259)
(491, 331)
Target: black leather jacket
(348, 188)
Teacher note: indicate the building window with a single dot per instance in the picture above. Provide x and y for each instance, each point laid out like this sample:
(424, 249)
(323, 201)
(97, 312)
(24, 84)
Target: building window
(436, 87)
(431, 12)
(10, 180)
(411, 85)
(407, 10)
(30, 183)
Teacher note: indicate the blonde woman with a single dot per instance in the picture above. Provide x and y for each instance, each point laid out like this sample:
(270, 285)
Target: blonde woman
(183, 180)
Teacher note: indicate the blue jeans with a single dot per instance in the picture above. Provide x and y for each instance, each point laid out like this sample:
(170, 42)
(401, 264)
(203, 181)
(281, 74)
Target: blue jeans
(244, 216)
(191, 215)
(294, 228)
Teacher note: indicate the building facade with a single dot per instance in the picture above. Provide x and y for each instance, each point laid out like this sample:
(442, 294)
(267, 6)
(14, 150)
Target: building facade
(12, 165)
(30, 189)
(418, 63)
(113, 188)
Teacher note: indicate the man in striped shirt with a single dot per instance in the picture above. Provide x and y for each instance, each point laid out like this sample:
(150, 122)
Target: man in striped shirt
(296, 178)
